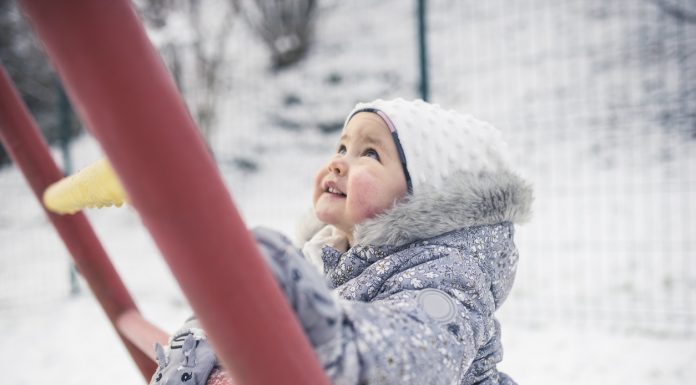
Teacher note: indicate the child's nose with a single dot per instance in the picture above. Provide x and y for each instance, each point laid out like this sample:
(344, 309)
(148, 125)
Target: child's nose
(338, 166)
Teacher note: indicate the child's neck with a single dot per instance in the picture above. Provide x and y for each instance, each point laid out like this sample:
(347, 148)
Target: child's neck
(348, 237)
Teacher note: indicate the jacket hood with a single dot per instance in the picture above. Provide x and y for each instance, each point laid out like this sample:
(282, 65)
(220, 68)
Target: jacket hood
(465, 199)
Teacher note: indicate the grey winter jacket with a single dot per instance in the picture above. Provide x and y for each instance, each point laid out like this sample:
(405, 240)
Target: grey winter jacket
(413, 300)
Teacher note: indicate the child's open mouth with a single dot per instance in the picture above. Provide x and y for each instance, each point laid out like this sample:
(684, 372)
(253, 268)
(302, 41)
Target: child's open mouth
(334, 191)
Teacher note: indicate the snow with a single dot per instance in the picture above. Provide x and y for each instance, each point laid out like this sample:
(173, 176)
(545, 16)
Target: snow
(559, 325)
(70, 338)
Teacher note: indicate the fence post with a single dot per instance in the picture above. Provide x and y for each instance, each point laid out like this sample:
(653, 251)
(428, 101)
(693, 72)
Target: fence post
(423, 50)
(64, 123)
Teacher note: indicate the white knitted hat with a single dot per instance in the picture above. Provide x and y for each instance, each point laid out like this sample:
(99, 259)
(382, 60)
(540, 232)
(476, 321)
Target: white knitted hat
(438, 142)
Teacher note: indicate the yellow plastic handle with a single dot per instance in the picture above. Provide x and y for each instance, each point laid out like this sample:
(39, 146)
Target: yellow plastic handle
(94, 186)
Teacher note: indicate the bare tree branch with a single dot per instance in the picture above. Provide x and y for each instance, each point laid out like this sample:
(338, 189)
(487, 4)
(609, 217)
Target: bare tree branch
(196, 63)
(677, 11)
(285, 26)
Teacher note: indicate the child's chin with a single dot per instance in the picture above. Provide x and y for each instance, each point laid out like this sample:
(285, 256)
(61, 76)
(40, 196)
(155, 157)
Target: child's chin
(326, 218)
(329, 218)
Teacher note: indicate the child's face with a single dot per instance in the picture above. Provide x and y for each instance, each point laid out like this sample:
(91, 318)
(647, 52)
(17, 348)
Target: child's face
(365, 175)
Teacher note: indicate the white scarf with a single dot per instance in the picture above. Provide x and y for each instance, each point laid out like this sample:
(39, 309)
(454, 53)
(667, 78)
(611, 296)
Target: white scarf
(327, 236)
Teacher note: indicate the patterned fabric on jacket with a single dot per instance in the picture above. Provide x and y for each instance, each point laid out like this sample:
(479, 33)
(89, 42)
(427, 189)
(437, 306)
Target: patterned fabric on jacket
(413, 300)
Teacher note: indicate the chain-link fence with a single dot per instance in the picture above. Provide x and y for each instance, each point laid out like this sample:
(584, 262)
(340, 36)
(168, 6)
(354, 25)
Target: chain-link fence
(597, 100)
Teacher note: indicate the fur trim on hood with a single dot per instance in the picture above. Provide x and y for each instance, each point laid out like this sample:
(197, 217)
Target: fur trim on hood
(465, 199)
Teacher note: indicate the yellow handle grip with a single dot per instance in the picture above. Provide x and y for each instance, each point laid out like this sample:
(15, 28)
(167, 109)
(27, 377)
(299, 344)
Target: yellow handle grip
(94, 186)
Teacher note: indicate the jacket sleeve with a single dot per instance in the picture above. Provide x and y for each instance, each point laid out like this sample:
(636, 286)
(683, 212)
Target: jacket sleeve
(410, 337)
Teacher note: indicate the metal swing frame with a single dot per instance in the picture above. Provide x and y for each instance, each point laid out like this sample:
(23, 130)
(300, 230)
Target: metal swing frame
(127, 99)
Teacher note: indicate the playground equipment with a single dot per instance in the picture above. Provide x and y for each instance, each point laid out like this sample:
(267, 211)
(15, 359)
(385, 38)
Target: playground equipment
(95, 186)
(126, 97)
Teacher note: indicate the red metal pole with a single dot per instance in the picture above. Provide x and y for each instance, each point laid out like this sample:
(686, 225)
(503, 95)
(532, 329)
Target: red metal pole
(28, 150)
(140, 332)
(125, 95)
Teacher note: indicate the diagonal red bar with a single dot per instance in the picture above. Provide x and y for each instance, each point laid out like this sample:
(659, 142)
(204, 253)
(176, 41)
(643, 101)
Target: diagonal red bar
(140, 332)
(29, 151)
(120, 87)
(143, 335)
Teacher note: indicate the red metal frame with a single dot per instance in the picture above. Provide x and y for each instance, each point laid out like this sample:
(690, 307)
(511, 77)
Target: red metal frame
(29, 151)
(140, 333)
(126, 97)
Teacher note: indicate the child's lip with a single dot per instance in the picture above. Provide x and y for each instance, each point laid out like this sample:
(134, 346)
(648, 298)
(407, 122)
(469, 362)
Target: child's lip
(334, 195)
(333, 185)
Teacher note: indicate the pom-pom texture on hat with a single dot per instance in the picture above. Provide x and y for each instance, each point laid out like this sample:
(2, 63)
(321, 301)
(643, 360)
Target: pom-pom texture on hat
(438, 142)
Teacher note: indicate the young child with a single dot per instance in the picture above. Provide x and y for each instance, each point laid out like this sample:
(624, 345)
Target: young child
(408, 252)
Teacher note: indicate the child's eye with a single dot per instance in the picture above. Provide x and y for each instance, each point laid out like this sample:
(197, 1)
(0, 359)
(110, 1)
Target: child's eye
(371, 153)
(341, 149)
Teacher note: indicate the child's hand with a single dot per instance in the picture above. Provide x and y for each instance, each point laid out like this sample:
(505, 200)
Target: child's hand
(304, 288)
(188, 359)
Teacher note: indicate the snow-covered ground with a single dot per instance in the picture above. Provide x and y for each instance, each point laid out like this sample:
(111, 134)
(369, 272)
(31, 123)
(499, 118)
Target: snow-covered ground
(606, 265)
(50, 335)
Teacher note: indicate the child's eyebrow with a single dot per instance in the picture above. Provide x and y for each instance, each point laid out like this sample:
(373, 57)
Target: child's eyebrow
(367, 138)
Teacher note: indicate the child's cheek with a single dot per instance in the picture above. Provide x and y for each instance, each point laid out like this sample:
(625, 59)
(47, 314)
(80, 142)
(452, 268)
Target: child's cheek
(365, 197)
(318, 178)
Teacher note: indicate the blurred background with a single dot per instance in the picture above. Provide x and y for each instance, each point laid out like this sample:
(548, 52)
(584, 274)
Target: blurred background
(597, 101)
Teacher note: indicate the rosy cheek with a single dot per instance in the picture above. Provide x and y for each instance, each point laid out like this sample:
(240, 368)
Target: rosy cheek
(321, 173)
(365, 196)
